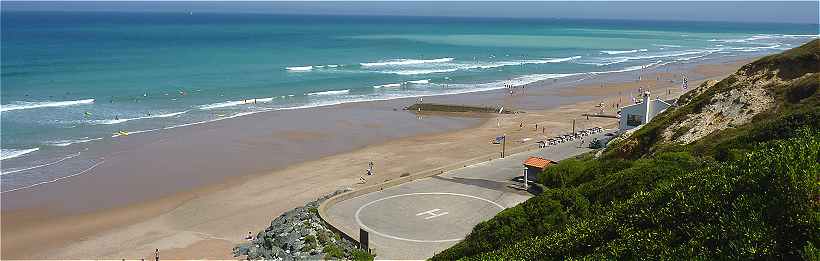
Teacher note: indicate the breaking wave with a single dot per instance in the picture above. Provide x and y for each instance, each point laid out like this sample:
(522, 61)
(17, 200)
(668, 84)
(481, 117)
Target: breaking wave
(23, 105)
(407, 62)
(13, 153)
(117, 121)
(623, 52)
(329, 92)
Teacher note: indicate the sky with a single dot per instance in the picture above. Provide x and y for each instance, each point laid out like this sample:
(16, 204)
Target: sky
(805, 12)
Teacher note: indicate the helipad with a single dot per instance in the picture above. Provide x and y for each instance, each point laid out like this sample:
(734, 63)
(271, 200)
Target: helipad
(439, 212)
(417, 219)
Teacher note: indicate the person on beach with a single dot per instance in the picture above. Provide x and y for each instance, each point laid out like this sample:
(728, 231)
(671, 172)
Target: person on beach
(362, 179)
(250, 236)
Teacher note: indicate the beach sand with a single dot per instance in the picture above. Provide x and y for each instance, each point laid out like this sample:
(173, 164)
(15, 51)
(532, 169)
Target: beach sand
(207, 221)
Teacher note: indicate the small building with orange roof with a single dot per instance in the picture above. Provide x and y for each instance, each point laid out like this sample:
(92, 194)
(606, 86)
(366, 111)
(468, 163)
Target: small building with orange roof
(537, 165)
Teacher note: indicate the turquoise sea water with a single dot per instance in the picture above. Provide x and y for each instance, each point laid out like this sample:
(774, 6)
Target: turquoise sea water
(73, 78)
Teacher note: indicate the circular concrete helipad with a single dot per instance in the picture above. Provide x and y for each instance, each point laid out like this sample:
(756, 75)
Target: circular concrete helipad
(433, 217)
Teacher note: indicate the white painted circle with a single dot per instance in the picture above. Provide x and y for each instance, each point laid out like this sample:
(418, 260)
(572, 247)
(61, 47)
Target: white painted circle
(362, 225)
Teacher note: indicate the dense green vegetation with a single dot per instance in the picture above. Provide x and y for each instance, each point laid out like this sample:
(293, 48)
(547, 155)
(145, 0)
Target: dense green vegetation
(745, 192)
(756, 207)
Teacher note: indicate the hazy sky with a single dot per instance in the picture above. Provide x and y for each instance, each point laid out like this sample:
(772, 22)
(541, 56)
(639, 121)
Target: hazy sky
(740, 11)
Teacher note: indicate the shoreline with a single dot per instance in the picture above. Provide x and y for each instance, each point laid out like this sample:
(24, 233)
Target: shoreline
(190, 223)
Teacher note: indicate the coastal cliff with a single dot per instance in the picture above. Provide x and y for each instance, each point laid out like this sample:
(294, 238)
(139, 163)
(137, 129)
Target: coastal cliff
(729, 173)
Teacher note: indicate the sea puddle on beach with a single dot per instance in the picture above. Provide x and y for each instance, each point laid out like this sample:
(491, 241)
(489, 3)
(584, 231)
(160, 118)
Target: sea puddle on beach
(90, 100)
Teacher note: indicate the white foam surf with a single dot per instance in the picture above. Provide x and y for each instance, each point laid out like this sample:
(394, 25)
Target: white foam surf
(117, 121)
(395, 85)
(14, 153)
(419, 81)
(222, 104)
(338, 92)
(623, 59)
(756, 49)
(56, 179)
(560, 60)
(631, 68)
(623, 51)
(65, 143)
(23, 105)
(126, 133)
(389, 85)
(39, 166)
(398, 62)
(236, 103)
(532, 78)
(667, 45)
(452, 67)
(421, 71)
(300, 68)
(764, 38)
(523, 62)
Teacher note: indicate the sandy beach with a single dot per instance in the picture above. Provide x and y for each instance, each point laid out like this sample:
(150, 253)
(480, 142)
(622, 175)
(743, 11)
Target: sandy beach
(117, 216)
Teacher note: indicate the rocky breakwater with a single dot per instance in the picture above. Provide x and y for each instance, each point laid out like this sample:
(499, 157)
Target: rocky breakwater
(300, 234)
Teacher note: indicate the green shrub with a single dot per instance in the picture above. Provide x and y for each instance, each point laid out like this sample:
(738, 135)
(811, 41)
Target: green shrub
(310, 243)
(641, 174)
(759, 205)
(332, 251)
(804, 88)
(361, 255)
(324, 237)
(314, 211)
(762, 206)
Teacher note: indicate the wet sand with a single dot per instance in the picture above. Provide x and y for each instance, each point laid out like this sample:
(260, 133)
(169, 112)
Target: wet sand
(237, 175)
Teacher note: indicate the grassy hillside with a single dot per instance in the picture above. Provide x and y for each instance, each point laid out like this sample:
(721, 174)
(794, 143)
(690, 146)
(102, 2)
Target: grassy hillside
(784, 100)
(731, 173)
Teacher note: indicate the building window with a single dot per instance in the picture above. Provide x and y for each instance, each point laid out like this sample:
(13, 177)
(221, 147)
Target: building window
(633, 120)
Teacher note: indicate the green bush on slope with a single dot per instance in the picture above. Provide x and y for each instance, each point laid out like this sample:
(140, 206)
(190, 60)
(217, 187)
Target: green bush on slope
(761, 206)
(589, 186)
(799, 97)
(536, 216)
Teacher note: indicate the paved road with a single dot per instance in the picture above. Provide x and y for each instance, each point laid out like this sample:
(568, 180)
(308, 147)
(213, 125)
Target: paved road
(417, 219)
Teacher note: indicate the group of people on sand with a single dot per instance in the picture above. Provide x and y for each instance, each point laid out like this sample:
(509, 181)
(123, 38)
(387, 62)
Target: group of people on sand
(369, 172)
(511, 88)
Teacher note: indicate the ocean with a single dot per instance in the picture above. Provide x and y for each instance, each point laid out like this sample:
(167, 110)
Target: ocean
(74, 78)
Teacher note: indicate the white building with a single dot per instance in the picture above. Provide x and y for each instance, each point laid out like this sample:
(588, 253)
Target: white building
(634, 115)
